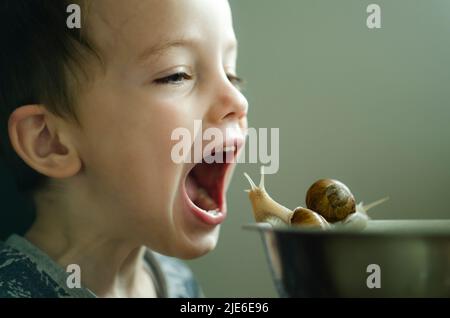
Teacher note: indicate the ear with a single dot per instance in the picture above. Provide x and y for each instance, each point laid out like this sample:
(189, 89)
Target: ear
(42, 142)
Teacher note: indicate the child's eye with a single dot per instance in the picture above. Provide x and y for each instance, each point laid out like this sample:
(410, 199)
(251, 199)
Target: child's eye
(176, 78)
(235, 80)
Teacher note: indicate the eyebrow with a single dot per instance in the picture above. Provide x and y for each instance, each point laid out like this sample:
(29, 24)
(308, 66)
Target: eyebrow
(160, 48)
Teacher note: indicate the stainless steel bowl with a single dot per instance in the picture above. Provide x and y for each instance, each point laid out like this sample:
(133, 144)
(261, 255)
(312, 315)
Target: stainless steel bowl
(411, 259)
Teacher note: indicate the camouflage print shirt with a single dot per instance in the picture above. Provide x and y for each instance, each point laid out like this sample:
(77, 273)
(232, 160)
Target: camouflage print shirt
(26, 271)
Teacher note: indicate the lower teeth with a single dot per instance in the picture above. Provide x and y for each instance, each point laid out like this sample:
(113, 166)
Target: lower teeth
(213, 212)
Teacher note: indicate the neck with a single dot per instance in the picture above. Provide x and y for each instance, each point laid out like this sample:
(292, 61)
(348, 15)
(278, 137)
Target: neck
(110, 266)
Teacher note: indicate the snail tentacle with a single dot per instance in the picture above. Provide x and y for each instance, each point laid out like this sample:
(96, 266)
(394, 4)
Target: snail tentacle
(261, 181)
(369, 206)
(252, 184)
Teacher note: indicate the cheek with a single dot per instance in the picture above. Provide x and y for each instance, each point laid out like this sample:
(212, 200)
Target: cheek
(131, 161)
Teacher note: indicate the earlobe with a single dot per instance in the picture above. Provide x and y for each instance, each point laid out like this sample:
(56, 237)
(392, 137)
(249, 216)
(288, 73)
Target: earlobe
(34, 137)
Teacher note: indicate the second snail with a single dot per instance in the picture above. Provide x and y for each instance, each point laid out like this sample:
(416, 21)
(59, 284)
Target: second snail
(328, 203)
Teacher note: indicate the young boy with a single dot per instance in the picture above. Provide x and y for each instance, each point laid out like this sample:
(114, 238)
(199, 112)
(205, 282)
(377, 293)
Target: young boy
(87, 117)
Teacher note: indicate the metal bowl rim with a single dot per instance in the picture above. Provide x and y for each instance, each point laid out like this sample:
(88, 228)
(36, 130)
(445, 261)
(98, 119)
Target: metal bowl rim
(443, 232)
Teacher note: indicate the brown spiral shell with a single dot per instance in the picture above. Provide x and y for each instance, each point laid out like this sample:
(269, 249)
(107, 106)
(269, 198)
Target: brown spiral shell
(332, 199)
(307, 218)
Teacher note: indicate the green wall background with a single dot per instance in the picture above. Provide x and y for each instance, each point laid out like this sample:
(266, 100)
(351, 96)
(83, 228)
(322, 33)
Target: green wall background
(368, 107)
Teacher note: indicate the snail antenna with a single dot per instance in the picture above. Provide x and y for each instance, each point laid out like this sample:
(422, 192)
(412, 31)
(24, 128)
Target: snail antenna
(252, 184)
(261, 182)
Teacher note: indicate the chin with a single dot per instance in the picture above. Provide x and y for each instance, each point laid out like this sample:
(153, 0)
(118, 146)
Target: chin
(199, 246)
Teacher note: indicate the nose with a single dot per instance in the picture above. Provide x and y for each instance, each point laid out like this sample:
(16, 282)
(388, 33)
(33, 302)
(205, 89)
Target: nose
(228, 103)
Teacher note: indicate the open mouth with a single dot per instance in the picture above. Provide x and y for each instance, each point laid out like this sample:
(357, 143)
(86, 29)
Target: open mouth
(205, 187)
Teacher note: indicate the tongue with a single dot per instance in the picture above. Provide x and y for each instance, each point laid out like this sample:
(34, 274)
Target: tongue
(204, 201)
(199, 196)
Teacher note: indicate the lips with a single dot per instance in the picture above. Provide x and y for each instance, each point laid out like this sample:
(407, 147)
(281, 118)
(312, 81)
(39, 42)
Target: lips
(205, 185)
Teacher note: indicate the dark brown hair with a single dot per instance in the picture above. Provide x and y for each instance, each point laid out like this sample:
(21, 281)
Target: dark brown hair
(41, 61)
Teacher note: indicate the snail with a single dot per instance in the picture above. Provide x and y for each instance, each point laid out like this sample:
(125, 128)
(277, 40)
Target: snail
(334, 201)
(329, 202)
(266, 209)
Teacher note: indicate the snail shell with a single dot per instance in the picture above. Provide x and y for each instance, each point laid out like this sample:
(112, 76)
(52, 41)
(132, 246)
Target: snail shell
(307, 218)
(332, 199)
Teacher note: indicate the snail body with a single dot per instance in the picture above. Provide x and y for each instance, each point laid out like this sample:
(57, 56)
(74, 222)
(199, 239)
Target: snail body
(264, 207)
(359, 219)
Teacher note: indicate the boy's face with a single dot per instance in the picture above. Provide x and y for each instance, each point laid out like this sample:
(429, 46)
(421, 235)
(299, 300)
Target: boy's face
(166, 64)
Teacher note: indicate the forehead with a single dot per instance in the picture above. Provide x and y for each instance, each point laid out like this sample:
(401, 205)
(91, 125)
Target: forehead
(120, 27)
